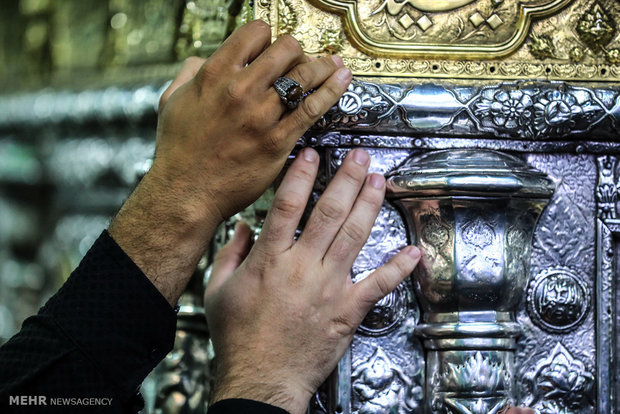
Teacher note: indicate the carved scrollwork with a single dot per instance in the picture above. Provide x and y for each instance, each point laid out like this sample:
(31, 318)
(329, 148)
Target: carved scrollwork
(607, 189)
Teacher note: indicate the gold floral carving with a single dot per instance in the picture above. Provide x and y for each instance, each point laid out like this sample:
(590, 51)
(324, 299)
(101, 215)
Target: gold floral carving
(551, 46)
(447, 28)
(287, 18)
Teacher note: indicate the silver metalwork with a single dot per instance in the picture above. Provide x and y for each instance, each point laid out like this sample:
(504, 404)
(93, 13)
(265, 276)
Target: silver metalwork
(558, 300)
(290, 91)
(473, 214)
(567, 131)
(607, 189)
(523, 110)
(559, 383)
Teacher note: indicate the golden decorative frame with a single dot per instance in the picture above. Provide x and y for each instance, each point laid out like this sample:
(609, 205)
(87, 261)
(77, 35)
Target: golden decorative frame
(348, 10)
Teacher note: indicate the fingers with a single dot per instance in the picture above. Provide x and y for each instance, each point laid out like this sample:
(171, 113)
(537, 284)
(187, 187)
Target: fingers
(356, 228)
(520, 410)
(289, 203)
(284, 54)
(310, 74)
(297, 122)
(190, 67)
(382, 281)
(229, 257)
(243, 45)
(335, 204)
(314, 73)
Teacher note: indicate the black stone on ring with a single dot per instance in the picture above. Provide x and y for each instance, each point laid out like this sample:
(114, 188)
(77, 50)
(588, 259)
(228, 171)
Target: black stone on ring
(291, 93)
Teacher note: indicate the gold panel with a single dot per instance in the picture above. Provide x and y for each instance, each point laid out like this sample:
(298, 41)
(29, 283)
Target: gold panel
(467, 39)
(442, 28)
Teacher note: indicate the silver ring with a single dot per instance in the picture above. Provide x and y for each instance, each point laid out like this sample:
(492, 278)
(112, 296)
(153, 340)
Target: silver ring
(290, 91)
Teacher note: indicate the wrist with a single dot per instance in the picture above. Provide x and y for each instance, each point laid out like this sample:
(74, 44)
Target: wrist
(165, 231)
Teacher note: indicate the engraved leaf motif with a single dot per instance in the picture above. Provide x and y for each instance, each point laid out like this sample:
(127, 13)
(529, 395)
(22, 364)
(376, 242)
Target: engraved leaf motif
(477, 374)
(562, 379)
(565, 378)
(595, 27)
(478, 233)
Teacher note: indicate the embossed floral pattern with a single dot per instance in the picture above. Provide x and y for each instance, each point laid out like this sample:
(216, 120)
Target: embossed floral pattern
(557, 112)
(560, 382)
(362, 103)
(477, 374)
(508, 109)
(550, 407)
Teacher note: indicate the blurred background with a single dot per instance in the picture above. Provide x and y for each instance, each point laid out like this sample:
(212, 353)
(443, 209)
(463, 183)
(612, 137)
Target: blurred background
(80, 81)
(79, 86)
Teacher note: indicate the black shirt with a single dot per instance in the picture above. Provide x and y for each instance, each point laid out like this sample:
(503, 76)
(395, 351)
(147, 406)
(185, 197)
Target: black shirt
(89, 348)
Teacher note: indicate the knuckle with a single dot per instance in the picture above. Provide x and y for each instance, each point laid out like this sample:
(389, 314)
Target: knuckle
(401, 266)
(207, 74)
(254, 121)
(302, 75)
(333, 91)
(342, 326)
(303, 175)
(311, 109)
(382, 286)
(290, 43)
(330, 209)
(274, 143)
(354, 231)
(236, 91)
(330, 63)
(373, 199)
(351, 174)
(288, 206)
(259, 24)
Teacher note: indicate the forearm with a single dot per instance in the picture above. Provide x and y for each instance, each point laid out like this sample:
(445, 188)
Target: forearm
(165, 228)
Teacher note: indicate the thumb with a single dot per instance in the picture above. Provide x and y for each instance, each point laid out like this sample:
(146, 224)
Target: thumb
(382, 281)
(229, 257)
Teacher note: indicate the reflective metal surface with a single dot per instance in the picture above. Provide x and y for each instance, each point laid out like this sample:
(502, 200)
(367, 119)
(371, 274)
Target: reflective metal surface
(472, 213)
(78, 128)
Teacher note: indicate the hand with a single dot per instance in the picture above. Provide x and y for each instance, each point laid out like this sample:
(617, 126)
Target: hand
(282, 315)
(223, 130)
(520, 410)
(223, 135)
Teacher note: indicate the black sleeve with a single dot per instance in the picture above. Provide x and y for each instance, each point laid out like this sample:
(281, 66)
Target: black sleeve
(240, 406)
(89, 348)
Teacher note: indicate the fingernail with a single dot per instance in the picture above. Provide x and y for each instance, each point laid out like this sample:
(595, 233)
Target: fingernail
(337, 60)
(310, 155)
(377, 181)
(413, 251)
(343, 74)
(360, 156)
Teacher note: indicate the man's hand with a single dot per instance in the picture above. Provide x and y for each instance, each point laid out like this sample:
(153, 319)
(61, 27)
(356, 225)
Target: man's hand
(520, 410)
(282, 315)
(223, 135)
